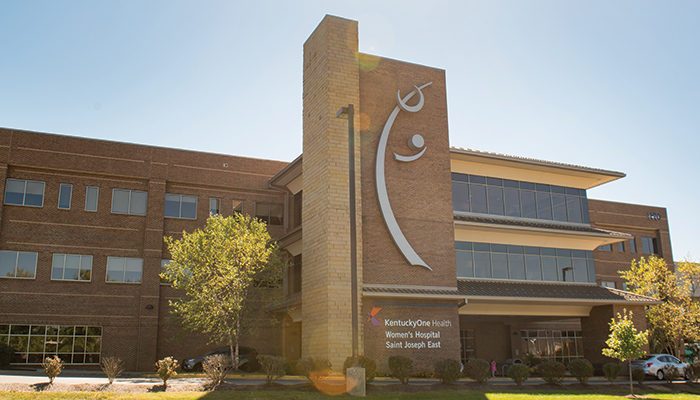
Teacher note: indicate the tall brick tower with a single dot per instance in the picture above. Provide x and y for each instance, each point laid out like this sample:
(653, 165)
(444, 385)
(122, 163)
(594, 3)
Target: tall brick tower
(331, 81)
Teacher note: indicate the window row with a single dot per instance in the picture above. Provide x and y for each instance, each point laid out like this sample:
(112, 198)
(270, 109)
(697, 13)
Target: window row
(553, 345)
(69, 267)
(499, 261)
(495, 196)
(649, 246)
(33, 343)
(31, 193)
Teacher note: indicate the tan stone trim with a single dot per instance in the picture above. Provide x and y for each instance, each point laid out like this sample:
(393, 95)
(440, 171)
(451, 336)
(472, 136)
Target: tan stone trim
(72, 315)
(413, 287)
(73, 225)
(75, 247)
(79, 154)
(72, 294)
(223, 170)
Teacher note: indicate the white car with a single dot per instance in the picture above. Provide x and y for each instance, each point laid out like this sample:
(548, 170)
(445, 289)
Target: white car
(653, 364)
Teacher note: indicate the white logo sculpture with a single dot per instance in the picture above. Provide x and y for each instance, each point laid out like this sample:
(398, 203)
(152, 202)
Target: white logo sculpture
(415, 143)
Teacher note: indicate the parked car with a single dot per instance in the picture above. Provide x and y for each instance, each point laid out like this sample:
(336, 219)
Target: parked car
(653, 364)
(247, 359)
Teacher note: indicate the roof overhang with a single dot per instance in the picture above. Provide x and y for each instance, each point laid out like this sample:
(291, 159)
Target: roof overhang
(290, 176)
(413, 292)
(523, 235)
(530, 170)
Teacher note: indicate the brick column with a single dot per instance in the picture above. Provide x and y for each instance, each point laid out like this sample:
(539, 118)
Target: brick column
(331, 81)
(596, 330)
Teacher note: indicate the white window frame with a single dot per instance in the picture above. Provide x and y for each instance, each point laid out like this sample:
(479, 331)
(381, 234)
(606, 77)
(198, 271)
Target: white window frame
(87, 198)
(24, 193)
(129, 205)
(84, 259)
(17, 254)
(124, 261)
(218, 205)
(608, 284)
(179, 214)
(70, 195)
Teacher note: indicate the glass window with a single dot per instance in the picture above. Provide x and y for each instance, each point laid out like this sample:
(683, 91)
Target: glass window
(516, 264)
(495, 196)
(180, 206)
(64, 196)
(270, 213)
(633, 246)
(499, 265)
(238, 206)
(621, 247)
(512, 200)
(609, 284)
(129, 202)
(477, 197)
(33, 343)
(544, 205)
(460, 196)
(17, 264)
(465, 264)
(163, 264)
(649, 245)
(71, 267)
(559, 207)
(126, 270)
(91, 195)
(24, 193)
(580, 270)
(534, 271)
(549, 269)
(605, 247)
(482, 265)
(528, 199)
(214, 206)
(573, 208)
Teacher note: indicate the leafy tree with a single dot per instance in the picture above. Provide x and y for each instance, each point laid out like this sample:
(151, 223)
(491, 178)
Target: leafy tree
(676, 318)
(226, 270)
(625, 343)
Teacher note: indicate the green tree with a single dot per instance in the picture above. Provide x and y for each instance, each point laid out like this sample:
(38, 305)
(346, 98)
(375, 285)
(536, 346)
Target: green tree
(228, 271)
(625, 343)
(676, 318)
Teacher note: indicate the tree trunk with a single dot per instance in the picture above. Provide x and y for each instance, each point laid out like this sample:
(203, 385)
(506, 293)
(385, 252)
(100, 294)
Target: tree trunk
(629, 362)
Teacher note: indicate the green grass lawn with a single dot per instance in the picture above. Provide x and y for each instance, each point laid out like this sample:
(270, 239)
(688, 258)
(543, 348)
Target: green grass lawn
(293, 395)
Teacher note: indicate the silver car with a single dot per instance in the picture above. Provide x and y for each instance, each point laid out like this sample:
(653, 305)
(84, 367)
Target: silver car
(653, 364)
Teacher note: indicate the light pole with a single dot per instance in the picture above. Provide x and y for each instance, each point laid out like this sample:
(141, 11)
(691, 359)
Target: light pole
(350, 111)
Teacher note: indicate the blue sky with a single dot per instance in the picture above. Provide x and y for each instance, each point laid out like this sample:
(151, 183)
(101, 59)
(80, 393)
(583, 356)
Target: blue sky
(605, 84)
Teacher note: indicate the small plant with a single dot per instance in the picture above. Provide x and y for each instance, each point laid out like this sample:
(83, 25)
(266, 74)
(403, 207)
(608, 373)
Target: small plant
(532, 359)
(166, 369)
(112, 367)
(695, 370)
(552, 372)
(478, 370)
(519, 373)
(313, 368)
(7, 353)
(401, 368)
(447, 370)
(638, 375)
(671, 373)
(52, 367)
(274, 367)
(581, 369)
(611, 371)
(216, 367)
(367, 363)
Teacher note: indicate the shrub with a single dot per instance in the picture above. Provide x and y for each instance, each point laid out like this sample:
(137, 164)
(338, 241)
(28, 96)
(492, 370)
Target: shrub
(532, 359)
(216, 367)
(166, 369)
(52, 367)
(274, 367)
(552, 372)
(7, 353)
(611, 371)
(478, 370)
(423, 374)
(447, 370)
(638, 375)
(581, 369)
(312, 367)
(367, 363)
(112, 367)
(695, 370)
(401, 368)
(519, 373)
(671, 373)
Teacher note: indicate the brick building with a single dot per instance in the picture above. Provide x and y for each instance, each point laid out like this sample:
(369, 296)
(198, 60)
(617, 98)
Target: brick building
(460, 253)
